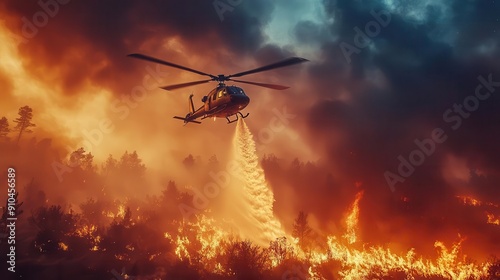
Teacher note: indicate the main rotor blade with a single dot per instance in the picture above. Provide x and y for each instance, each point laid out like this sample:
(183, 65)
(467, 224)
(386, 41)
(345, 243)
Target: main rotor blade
(176, 86)
(278, 87)
(159, 61)
(283, 63)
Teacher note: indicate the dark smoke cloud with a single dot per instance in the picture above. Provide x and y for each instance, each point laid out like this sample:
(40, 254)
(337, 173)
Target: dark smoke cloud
(422, 77)
(397, 91)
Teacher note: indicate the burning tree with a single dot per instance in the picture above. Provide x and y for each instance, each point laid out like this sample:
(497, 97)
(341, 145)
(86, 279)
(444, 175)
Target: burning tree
(53, 225)
(280, 251)
(246, 261)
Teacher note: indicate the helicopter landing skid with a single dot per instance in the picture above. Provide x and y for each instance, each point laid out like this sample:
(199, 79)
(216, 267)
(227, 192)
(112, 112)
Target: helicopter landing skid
(237, 118)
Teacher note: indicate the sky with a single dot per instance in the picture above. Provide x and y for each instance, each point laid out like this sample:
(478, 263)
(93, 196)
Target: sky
(399, 98)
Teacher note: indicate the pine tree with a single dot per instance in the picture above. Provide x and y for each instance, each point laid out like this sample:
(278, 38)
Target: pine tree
(24, 121)
(301, 229)
(81, 159)
(4, 128)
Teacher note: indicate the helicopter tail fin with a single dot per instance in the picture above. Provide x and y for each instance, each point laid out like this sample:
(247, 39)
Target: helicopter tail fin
(191, 104)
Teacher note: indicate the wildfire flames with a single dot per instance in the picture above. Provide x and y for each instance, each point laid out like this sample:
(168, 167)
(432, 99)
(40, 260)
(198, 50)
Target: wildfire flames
(166, 245)
(352, 220)
(489, 207)
(207, 240)
(354, 263)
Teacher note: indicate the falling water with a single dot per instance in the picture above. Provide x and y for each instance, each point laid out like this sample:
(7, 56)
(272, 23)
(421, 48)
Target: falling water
(253, 215)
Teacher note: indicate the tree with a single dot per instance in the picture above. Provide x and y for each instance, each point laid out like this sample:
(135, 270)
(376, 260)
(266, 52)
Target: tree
(171, 192)
(301, 230)
(189, 161)
(110, 165)
(24, 121)
(132, 165)
(54, 225)
(213, 161)
(4, 128)
(246, 261)
(81, 159)
(281, 250)
(92, 211)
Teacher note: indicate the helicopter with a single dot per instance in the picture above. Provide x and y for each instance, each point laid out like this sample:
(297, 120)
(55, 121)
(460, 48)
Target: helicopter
(224, 101)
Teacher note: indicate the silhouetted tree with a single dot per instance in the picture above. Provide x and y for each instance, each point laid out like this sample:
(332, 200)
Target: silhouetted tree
(53, 226)
(301, 230)
(116, 239)
(131, 164)
(188, 161)
(246, 261)
(23, 123)
(92, 211)
(109, 166)
(4, 128)
(127, 217)
(171, 192)
(83, 160)
(296, 166)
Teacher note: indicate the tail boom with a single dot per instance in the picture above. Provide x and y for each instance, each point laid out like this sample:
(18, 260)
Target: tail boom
(187, 120)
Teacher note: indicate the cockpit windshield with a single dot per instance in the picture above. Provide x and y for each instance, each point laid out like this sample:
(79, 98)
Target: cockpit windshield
(232, 90)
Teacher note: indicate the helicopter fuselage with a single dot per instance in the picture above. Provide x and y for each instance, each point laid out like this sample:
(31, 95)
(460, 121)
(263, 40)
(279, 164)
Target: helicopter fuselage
(222, 102)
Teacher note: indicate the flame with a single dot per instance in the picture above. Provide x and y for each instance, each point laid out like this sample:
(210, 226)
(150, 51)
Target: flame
(362, 264)
(492, 219)
(63, 246)
(90, 233)
(200, 240)
(120, 213)
(469, 200)
(352, 220)
(378, 262)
